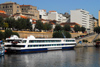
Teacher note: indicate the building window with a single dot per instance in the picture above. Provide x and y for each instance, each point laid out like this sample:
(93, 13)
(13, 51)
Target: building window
(6, 6)
(17, 10)
(10, 6)
(17, 6)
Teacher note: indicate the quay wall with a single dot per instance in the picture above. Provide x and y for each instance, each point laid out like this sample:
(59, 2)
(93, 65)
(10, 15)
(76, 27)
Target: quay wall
(24, 34)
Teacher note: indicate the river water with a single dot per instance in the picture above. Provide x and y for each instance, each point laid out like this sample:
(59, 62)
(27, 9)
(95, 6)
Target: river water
(79, 57)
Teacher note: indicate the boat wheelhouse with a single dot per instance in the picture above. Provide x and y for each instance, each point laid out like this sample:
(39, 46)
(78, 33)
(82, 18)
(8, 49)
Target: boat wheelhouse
(32, 44)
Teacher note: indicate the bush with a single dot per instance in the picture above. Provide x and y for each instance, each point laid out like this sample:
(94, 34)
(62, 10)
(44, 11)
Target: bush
(1, 35)
(85, 41)
(61, 34)
(57, 34)
(8, 33)
(96, 40)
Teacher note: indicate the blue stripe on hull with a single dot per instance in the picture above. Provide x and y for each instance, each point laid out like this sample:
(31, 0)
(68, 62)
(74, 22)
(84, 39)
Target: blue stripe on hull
(26, 50)
(67, 47)
(29, 50)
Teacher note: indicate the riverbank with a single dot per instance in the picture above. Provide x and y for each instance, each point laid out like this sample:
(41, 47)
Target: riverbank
(85, 45)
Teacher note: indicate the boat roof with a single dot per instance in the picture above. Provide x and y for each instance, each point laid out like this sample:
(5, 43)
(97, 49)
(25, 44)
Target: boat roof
(14, 37)
(31, 37)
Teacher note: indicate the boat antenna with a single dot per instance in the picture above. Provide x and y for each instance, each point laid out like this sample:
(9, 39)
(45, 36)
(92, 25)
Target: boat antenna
(63, 35)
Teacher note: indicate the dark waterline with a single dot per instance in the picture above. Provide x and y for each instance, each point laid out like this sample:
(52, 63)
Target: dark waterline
(79, 57)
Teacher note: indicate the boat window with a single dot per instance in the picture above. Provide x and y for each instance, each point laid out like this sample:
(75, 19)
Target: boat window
(50, 45)
(10, 41)
(24, 41)
(14, 45)
(39, 41)
(70, 40)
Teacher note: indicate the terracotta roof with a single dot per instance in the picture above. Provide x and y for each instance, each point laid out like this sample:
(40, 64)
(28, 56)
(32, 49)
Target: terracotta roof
(71, 26)
(44, 10)
(23, 17)
(33, 19)
(70, 23)
(52, 23)
(3, 15)
(52, 11)
(33, 22)
(1, 11)
(24, 5)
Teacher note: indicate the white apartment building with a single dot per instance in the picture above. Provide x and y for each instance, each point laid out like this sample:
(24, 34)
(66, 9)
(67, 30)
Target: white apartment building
(43, 14)
(81, 17)
(91, 23)
(53, 15)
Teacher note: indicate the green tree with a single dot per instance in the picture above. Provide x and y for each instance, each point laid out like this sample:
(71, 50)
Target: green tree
(66, 27)
(67, 34)
(6, 25)
(22, 24)
(39, 25)
(77, 28)
(57, 34)
(7, 33)
(28, 24)
(47, 26)
(83, 29)
(1, 21)
(1, 35)
(97, 30)
(11, 22)
(58, 28)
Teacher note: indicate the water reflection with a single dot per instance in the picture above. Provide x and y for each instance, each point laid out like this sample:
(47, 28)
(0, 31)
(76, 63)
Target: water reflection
(80, 57)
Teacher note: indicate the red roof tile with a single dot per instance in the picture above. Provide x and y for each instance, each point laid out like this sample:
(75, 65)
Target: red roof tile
(70, 23)
(52, 11)
(23, 17)
(33, 19)
(33, 22)
(3, 15)
(52, 23)
(1, 11)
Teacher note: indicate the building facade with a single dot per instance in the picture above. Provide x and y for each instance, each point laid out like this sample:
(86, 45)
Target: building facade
(10, 8)
(91, 23)
(99, 19)
(30, 11)
(53, 15)
(81, 17)
(43, 14)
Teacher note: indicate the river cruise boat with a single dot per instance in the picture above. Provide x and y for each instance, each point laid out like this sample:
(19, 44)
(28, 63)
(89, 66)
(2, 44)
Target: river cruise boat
(2, 50)
(32, 44)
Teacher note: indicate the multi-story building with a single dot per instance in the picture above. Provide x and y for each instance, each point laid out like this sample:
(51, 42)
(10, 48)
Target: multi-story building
(99, 19)
(10, 8)
(30, 11)
(43, 14)
(81, 17)
(95, 23)
(53, 15)
(91, 23)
